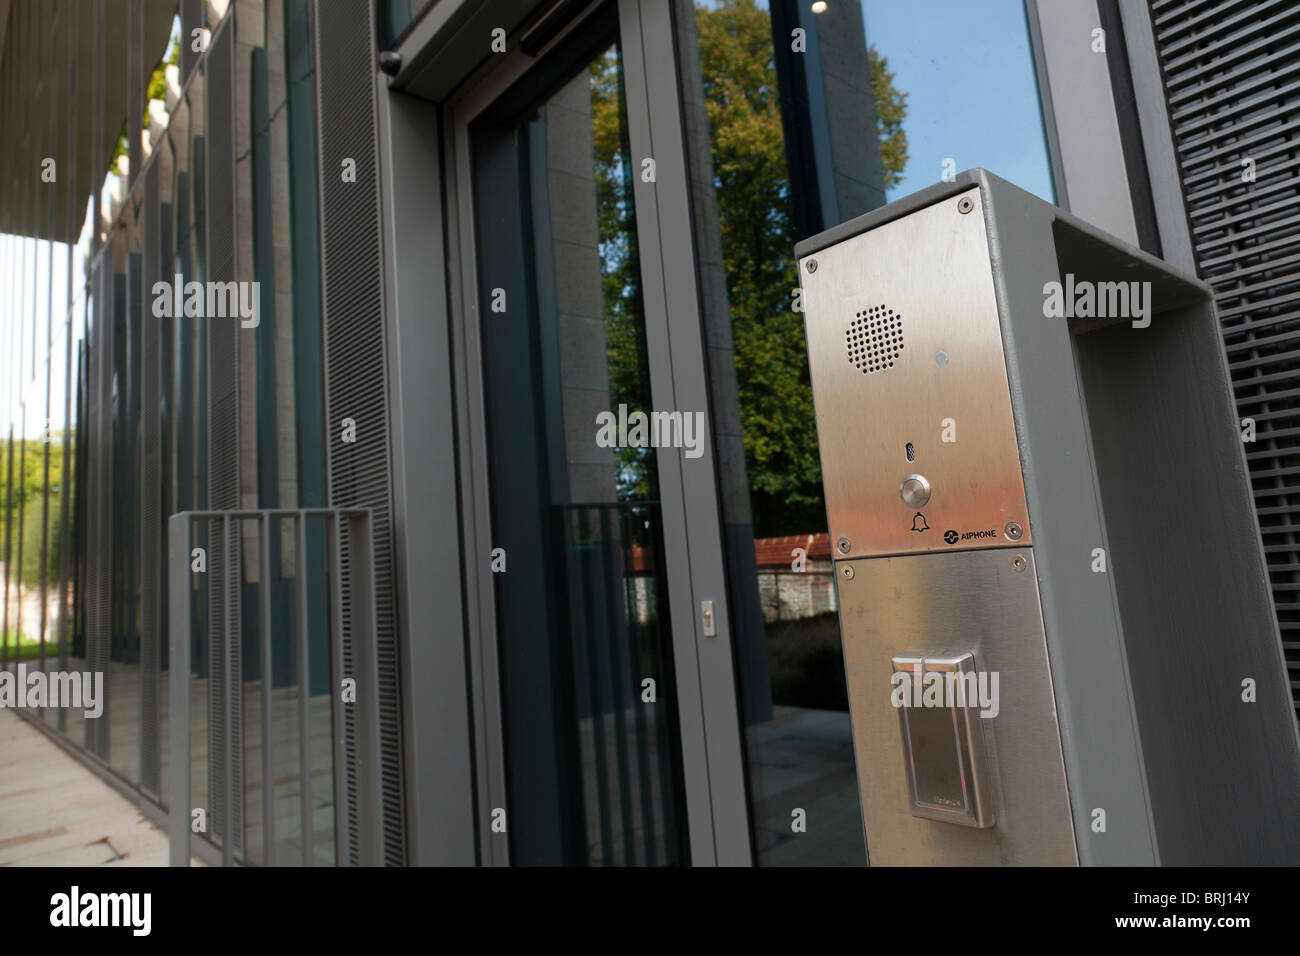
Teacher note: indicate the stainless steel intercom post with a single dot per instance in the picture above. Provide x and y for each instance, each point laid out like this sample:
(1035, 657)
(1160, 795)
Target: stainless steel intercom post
(1059, 640)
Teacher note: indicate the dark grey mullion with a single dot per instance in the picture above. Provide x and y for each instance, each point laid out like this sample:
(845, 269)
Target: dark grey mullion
(583, 552)
(615, 637)
(635, 657)
(712, 761)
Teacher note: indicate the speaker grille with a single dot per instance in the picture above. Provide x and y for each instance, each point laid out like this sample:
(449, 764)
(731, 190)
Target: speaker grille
(874, 339)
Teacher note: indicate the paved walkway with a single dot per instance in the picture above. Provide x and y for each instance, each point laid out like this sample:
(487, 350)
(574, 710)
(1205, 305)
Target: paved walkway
(55, 812)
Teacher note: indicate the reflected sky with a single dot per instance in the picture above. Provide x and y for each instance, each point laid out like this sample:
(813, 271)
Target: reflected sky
(972, 96)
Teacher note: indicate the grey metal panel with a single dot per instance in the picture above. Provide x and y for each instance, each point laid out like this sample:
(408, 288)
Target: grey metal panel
(874, 332)
(903, 605)
(1095, 177)
(1162, 168)
(356, 352)
(452, 38)
(1099, 731)
(1188, 658)
(1230, 82)
(152, 545)
(224, 645)
(1160, 641)
(427, 534)
(676, 344)
(481, 634)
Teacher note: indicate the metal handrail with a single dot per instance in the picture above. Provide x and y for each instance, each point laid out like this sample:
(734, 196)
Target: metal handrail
(367, 811)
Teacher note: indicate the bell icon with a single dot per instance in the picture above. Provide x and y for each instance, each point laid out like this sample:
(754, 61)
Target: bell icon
(918, 523)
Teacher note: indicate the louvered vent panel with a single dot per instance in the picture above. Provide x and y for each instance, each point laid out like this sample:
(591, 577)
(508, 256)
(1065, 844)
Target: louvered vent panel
(1232, 79)
(223, 440)
(356, 376)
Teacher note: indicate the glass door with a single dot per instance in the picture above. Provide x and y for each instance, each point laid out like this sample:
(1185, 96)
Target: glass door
(589, 716)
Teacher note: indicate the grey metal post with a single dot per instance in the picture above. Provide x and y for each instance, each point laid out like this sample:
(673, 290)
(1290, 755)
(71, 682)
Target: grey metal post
(304, 697)
(228, 531)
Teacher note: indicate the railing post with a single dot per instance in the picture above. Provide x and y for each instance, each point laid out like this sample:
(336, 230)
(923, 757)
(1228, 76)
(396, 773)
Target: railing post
(230, 544)
(304, 695)
(365, 806)
(268, 775)
(178, 638)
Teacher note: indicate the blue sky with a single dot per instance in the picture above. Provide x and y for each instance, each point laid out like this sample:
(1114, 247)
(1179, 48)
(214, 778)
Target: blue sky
(968, 72)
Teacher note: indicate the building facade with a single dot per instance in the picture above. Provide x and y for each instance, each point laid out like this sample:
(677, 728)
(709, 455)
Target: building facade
(372, 294)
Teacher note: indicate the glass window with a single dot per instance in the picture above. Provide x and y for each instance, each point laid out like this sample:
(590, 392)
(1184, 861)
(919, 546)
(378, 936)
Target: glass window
(955, 92)
(592, 749)
(842, 111)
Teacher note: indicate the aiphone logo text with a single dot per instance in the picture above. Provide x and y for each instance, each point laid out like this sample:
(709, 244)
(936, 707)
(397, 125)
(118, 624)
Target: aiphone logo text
(946, 689)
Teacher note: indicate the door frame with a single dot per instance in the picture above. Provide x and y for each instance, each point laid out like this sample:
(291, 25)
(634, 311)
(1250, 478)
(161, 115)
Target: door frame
(717, 812)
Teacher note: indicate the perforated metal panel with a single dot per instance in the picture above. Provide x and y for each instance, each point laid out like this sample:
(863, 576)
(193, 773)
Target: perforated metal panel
(223, 448)
(874, 339)
(356, 377)
(1232, 83)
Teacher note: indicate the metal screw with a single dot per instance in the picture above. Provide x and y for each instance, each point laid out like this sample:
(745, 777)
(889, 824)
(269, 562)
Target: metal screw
(847, 571)
(965, 205)
(843, 545)
(1013, 531)
(812, 265)
(1018, 563)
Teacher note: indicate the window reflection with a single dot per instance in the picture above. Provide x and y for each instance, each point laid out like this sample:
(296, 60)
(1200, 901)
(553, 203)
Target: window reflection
(812, 119)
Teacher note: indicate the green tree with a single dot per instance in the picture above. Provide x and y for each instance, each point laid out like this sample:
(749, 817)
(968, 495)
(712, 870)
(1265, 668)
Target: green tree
(752, 188)
(747, 141)
(891, 110)
(620, 277)
(27, 501)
